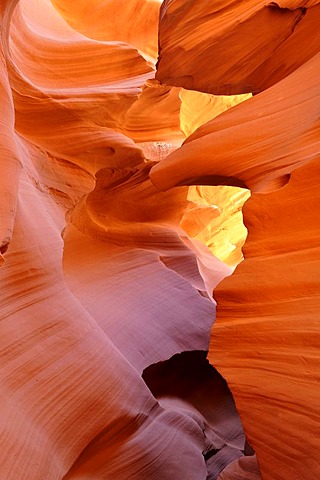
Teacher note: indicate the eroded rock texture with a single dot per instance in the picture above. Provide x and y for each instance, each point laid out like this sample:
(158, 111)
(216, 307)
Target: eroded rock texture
(122, 190)
(229, 47)
(266, 338)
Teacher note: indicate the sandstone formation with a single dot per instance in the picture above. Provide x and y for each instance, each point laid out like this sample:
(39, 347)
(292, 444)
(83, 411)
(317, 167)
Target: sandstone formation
(265, 339)
(124, 189)
(269, 351)
(228, 47)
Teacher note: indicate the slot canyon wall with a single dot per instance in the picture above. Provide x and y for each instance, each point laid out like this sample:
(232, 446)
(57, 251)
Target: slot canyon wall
(159, 240)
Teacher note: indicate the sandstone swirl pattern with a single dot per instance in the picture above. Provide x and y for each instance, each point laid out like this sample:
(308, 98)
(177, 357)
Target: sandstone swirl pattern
(265, 341)
(110, 260)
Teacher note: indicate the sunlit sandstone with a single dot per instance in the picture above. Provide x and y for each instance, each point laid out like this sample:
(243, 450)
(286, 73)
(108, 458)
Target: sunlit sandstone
(125, 205)
(265, 338)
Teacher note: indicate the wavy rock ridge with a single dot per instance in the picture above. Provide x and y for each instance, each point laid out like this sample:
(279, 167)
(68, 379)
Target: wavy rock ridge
(264, 341)
(122, 187)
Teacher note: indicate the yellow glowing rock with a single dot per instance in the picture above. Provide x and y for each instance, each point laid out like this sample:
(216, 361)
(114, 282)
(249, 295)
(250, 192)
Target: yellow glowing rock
(198, 108)
(217, 220)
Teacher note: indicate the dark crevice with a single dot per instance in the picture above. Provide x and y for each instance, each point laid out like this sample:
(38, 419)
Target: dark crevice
(214, 180)
(204, 294)
(181, 374)
(187, 381)
(211, 453)
(248, 450)
(4, 247)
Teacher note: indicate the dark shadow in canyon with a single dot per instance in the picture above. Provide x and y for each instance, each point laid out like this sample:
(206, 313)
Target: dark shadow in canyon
(187, 382)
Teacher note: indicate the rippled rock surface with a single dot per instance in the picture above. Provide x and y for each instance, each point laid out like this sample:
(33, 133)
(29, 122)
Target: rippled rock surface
(129, 182)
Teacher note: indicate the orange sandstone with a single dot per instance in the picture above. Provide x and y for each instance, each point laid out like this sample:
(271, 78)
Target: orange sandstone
(109, 260)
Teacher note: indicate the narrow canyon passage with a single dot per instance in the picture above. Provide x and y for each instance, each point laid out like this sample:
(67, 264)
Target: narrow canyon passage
(188, 383)
(159, 240)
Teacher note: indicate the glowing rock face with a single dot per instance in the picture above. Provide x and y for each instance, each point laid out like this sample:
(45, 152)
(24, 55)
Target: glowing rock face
(108, 266)
(216, 220)
(134, 22)
(198, 108)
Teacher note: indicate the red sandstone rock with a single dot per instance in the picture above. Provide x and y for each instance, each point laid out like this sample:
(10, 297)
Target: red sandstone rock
(267, 312)
(243, 469)
(133, 22)
(256, 144)
(97, 282)
(264, 340)
(106, 270)
(227, 48)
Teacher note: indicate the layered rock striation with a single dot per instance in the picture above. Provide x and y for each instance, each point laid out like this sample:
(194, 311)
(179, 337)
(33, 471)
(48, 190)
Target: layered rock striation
(264, 341)
(122, 188)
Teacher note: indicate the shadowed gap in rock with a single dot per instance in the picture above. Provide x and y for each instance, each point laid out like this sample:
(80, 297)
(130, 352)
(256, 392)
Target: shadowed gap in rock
(188, 382)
